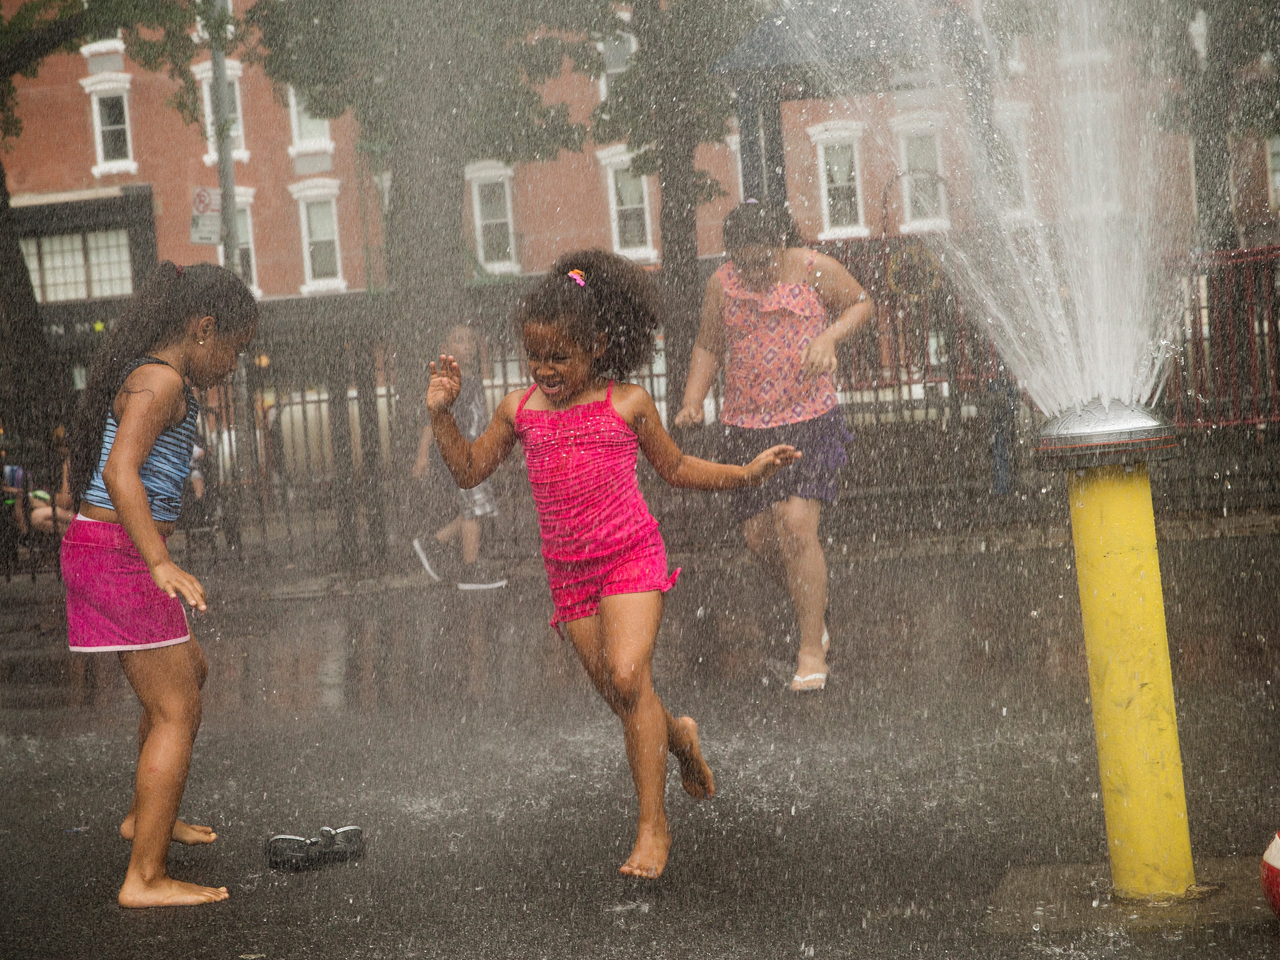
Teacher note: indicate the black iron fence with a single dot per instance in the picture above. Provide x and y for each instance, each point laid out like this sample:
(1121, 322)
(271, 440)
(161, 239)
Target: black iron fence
(307, 450)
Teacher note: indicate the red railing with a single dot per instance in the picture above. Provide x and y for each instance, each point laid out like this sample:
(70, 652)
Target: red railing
(923, 359)
(1225, 364)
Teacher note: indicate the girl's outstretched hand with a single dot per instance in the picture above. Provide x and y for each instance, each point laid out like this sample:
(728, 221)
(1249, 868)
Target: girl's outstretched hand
(173, 580)
(446, 384)
(770, 462)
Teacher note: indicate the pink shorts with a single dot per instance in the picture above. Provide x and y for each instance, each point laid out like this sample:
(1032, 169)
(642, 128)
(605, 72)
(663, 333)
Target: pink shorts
(576, 588)
(112, 602)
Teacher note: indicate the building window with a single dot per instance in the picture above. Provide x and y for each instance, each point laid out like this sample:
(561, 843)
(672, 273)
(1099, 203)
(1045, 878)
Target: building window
(109, 103)
(1009, 160)
(322, 254)
(1273, 166)
(628, 206)
(491, 210)
(734, 142)
(616, 51)
(924, 192)
(79, 266)
(203, 72)
(840, 180)
(310, 134)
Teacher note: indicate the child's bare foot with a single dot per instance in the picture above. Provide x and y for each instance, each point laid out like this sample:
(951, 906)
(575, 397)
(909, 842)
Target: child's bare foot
(191, 834)
(694, 772)
(167, 892)
(649, 856)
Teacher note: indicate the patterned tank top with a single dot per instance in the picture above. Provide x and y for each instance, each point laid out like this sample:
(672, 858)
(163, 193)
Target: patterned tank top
(765, 336)
(164, 473)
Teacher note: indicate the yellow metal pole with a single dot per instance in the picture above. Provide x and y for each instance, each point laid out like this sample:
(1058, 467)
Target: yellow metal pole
(1131, 687)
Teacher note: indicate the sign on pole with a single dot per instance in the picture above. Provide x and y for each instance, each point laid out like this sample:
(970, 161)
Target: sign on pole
(206, 216)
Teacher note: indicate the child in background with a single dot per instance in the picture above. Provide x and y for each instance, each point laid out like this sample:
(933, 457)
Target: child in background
(473, 505)
(130, 452)
(594, 318)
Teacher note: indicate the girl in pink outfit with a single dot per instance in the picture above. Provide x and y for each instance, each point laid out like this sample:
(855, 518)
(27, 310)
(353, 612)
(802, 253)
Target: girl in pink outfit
(595, 318)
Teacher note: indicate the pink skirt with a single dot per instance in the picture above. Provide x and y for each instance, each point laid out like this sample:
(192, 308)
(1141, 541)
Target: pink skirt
(112, 602)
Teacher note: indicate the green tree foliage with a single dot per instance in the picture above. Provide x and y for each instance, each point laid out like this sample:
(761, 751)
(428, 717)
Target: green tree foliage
(157, 35)
(443, 85)
(667, 103)
(435, 86)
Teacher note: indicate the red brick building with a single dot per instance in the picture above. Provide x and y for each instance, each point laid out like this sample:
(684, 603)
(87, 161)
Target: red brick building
(103, 176)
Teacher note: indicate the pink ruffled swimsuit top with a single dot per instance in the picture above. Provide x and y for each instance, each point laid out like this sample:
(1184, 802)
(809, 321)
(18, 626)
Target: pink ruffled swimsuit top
(582, 467)
(765, 336)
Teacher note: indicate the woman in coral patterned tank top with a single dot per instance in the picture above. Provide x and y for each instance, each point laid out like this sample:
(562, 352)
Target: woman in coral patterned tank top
(595, 317)
(774, 313)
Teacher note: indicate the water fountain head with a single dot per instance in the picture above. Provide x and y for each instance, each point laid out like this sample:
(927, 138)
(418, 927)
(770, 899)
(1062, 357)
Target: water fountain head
(1095, 435)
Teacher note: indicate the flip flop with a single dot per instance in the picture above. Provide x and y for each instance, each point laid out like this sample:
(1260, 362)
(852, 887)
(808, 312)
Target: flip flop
(287, 852)
(812, 681)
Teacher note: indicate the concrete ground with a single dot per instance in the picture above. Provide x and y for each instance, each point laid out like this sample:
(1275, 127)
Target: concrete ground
(950, 760)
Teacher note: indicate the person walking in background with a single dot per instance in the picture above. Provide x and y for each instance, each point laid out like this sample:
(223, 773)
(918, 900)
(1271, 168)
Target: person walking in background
(463, 532)
(768, 314)
(131, 447)
(594, 318)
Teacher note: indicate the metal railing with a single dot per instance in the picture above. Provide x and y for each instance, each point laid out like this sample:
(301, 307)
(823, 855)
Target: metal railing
(301, 470)
(1225, 364)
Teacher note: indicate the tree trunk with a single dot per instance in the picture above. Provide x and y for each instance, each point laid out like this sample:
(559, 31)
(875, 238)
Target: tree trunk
(31, 376)
(677, 179)
(1210, 133)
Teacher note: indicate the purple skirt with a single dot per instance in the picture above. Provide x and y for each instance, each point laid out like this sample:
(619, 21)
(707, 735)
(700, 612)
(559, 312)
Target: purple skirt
(816, 476)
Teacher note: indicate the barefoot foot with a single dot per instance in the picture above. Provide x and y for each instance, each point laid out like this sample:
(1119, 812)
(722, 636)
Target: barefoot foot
(694, 772)
(167, 892)
(649, 856)
(193, 835)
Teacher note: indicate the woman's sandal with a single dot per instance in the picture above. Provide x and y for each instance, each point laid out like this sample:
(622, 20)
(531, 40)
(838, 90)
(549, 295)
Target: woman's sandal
(813, 681)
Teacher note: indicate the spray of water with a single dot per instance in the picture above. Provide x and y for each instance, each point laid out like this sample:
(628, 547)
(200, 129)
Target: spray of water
(1068, 289)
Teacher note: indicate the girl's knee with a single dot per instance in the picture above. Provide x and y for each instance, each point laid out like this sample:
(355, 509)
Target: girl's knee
(626, 686)
(178, 710)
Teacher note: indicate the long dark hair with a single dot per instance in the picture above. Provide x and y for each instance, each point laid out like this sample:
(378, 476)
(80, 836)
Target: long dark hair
(763, 223)
(158, 316)
(593, 293)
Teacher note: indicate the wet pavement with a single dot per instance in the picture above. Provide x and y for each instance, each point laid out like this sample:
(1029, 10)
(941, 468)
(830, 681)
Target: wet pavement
(952, 750)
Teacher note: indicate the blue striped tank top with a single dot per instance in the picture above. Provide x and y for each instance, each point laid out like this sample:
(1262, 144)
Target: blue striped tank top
(164, 474)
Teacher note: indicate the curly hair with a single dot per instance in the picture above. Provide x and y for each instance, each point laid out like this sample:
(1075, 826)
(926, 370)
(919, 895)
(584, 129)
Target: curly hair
(591, 294)
(760, 224)
(158, 316)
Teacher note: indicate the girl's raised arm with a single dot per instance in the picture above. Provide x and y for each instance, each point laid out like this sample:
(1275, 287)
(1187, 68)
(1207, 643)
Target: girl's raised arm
(470, 463)
(680, 470)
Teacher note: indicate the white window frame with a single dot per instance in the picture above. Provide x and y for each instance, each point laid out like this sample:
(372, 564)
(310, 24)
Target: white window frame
(1016, 118)
(1273, 172)
(603, 82)
(612, 159)
(911, 125)
(300, 147)
(477, 175)
(203, 72)
(310, 191)
(244, 201)
(734, 142)
(109, 84)
(832, 133)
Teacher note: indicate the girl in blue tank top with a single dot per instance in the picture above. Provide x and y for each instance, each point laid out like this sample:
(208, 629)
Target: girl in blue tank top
(130, 450)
